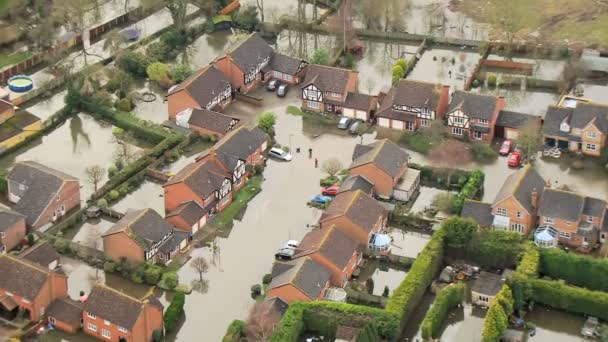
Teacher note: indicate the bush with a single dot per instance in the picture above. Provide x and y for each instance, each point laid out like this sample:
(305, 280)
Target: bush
(256, 290)
(397, 71)
(181, 72)
(369, 285)
(491, 80)
(495, 248)
(31, 239)
(320, 56)
(157, 336)
(327, 181)
(482, 152)
(447, 298)
(475, 84)
(61, 246)
(266, 123)
(349, 61)
(234, 331)
(494, 324)
(174, 311)
(152, 274)
(402, 63)
(135, 63)
(158, 52)
(418, 142)
(529, 263)
(469, 190)
(157, 71)
(109, 266)
(267, 279)
(247, 17)
(114, 195)
(170, 279)
(124, 105)
(579, 270)
(459, 231)
(174, 39)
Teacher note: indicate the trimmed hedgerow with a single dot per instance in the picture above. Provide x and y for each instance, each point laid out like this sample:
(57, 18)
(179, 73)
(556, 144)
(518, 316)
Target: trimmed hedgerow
(556, 263)
(174, 311)
(448, 298)
(469, 190)
(529, 263)
(234, 331)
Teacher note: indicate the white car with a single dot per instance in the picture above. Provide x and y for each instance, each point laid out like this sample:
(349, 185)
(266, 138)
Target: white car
(276, 152)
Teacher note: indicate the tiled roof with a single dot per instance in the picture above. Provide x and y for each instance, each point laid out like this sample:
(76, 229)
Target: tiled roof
(203, 177)
(16, 124)
(409, 93)
(478, 211)
(487, 284)
(65, 310)
(191, 212)
(331, 243)
(203, 85)
(520, 184)
(594, 207)
(239, 144)
(515, 120)
(5, 105)
(579, 117)
(354, 183)
(114, 306)
(474, 105)
(145, 226)
(251, 52)
(359, 101)
(285, 64)
(304, 273)
(42, 253)
(386, 155)
(21, 278)
(173, 242)
(357, 206)
(561, 204)
(8, 218)
(211, 120)
(327, 78)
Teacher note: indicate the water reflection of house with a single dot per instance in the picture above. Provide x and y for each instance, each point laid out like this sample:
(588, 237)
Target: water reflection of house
(486, 286)
(12, 229)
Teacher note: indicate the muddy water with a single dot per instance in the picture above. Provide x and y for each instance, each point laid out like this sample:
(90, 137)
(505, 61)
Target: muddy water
(464, 324)
(90, 232)
(555, 326)
(207, 47)
(544, 69)
(529, 102)
(79, 143)
(425, 199)
(595, 92)
(408, 244)
(187, 157)
(274, 10)
(302, 44)
(155, 111)
(49, 106)
(435, 66)
(148, 195)
(411, 331)
(389, 277)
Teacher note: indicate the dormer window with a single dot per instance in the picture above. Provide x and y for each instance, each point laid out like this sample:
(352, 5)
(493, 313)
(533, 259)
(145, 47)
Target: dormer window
(425, 110)
(483, 121)
(564, 127)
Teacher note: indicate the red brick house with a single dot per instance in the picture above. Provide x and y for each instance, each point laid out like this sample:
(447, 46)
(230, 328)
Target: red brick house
(110, 315)
(334, 250)
(473, 116)
(509, 124)
(303, 279)
(356, 214)
(413, 104)
(206, 122)
(12, 229)
(208, 88)
(143, 235)
(382, 163)
(28, 288)
(188, 216)
(42, 194)
(65, 314)
(326, 89)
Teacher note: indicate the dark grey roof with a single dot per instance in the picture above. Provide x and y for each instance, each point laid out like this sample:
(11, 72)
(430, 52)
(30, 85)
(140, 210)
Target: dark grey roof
(354, 183)
(479, 211)
(278, 305)
(114, 306)
(204, 85)
(605, 223)
(561, 204)
(487, 283)
(212, 120)
(553, 118)
(585, 112)
(66, 310)
(361, 150)
(330, 242)
(511, 119)
(42, 253)
(285, 64)
(304, 273)
(202, 177)
(173, 242)
(8, 218)
(386, 155)
(239, 143)
(410, 93)
(145, 226)
(474, 105)
(359, 101)
(251, 52)
(521, 184)
(21, 278)
(327, 78)
(42, 184)
(594, 207)
(191, 212)
(357, 206)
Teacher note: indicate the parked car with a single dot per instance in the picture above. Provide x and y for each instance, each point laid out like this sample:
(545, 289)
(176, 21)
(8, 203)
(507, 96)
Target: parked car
(292, 244)
(276, 152)
(514, 159)
(354, 126)
(282, 90)
(505, 148)
(590, 329)
(320, 199)
(285, 253)
(273, 84)
(344, 122)
(331, 190)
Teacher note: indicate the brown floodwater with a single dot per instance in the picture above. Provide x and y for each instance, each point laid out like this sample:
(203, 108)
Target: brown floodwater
(435, 66)
(524, 101)
(148, 195)
(555, 325)
(595, 92)
(208, 47)
(302, 44)
(89, 232)
(544, 69)
(382, 276)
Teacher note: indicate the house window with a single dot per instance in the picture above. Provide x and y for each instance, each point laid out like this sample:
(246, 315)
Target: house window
(484, 299)
(106, 322)
(517, 227)
(313, 104)
(2, 234)
(224, 200)
(458, 120)
(425, 123)
(457, 131)
(91, 327)
(564, 235)
(548, 220)
(25, 301)
(288, 78)
(10, 294)
(483, 121)
(591, 147)
(121, 329)
(52, 320)
(409, 125)
(501, 212)
(590, 219)
(591, 134)
(477, 135)
(425, 110)
(106, 333)
(91, 315)
(520, 214)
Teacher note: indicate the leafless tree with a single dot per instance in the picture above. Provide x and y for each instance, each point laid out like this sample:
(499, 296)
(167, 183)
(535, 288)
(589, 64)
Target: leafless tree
(261, 321)
(199, 264)
(78, 15)
(179, 9)
(530, 139)
(331, 166)
(341, 24)
(260, 4)
(95, 175)
(449, 155)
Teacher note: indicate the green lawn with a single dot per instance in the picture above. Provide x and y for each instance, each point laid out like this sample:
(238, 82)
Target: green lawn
(224, 219)
(13, 58)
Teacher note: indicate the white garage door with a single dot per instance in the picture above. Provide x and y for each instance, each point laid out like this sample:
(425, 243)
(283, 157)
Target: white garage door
(383, 122)
(361, 114)
(511, 134)
(397, 124)
(348, 112)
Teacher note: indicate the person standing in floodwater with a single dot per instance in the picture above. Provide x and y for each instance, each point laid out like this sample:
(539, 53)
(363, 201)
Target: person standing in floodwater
(309, 153)
(316, 163)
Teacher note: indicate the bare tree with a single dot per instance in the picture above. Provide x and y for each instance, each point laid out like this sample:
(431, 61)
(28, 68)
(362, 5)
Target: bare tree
(78, 15)
(95, 175)
(179, 9)
(262, 320)
(449, 155)
(199, 264)
(260, 4)
(530, 139)
(331, 166)
(341, 24)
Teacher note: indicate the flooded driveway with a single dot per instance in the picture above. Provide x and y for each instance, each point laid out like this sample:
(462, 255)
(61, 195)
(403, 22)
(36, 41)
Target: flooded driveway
(448, 67)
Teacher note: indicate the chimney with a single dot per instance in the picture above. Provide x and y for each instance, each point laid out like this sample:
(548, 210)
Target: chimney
(534, 198)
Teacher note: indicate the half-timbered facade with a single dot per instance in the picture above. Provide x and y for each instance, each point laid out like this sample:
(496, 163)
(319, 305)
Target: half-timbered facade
(473, 116)
(413, 104)
(325, 89)
(285, 68)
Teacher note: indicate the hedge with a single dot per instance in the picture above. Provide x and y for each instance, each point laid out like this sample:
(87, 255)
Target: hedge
(495, 248)
(235, 329)
(438, 176)
(470, 189)
(174, 311)
(579, 270)
(408, 294)
(448, 298)
(529, 263)
(291, 325)
(494, 324)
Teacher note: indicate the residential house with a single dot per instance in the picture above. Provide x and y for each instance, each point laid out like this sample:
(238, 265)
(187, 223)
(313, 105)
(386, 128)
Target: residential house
(515, 207)
(43, 254)
(356, 214)
(354, 183)
(510, 124)
(243, 146)
(65, 314)
(17, 128)
(111, 315)
(42, 194)
(143, 235)
(360, 106)
(7, 110)
(334, 250)
(580, 127)
(208, 88)
(12, 229)
(383, 163)
(473, 116)
(253, 61)
(325, 89)
(413, 104)
(303, 279)
(28, 288)
(206, 122)
(486, 286)
(577, 219)
(189, 216)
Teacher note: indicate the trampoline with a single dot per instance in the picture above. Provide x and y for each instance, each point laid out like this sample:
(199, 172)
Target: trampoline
(130, 34)
(20, 83)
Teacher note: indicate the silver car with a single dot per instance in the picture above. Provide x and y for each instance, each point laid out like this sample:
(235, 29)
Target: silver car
(344, 122)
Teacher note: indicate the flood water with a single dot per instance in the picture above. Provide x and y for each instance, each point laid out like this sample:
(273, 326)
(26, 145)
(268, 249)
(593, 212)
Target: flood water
(148, 195)
(595, 92)
(408, 244)
(528, 101)
(435, 66)
(188, 156)
(388, 277)
(544, 69)
(555, 326)
(45, 108)
(155, 111)
(208, 47)
(89, 233)
(302, 44)
(425, 198)
(274, 10)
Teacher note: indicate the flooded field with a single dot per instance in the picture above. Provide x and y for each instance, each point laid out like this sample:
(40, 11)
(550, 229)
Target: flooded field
(79, 143)
(448, 67)
(274, 10)
(155, 111)
(302, 44)
(90, 232)
(555, 326)
(524, 101)
(148, 195)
